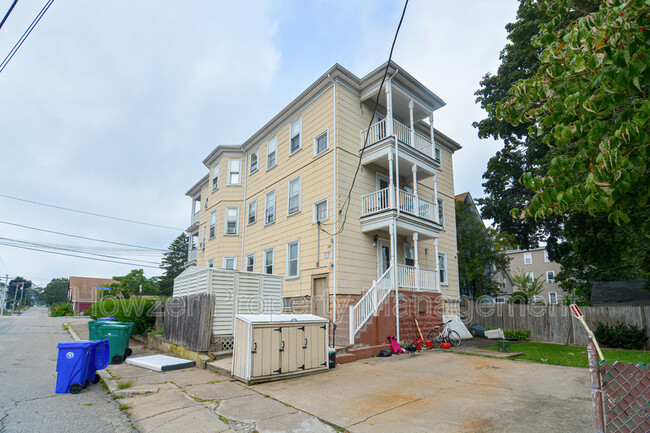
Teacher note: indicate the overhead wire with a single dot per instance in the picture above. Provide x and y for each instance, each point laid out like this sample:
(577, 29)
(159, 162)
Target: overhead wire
(346, 202)
(90, 213)
(22, 39)
(81, 237)
(11, 8)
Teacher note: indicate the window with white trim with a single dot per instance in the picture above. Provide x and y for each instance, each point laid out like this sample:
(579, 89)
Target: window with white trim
(320, 211)
(293, 206)
(321, 142)
(409, 257)
(293, 259)
(234, 172)
(252, 212)
(546, 258)
(272, 153)
(211, 263)
(269, 208)
(442, 268)
(229, 262)
(531, 278)
(550, 276)
(250, 263)
(499, 300)
(552, 298)
(255, 157)
(213, 224)
(296, 136)
(268, 261)
(441, 211)
(232, 220)
(215, 177)
(437, 154)
(528, 258)
(205, 230)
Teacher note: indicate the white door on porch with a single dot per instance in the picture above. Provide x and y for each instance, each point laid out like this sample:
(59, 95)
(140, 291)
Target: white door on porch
(383, 257)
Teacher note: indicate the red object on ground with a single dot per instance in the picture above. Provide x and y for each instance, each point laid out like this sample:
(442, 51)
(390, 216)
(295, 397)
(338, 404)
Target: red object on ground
(445, 345)
(429, 344)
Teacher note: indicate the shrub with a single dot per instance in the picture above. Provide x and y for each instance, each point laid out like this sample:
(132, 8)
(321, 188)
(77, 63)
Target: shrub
(58, 310)
(139, 311)
(620, 335)
(519, 335)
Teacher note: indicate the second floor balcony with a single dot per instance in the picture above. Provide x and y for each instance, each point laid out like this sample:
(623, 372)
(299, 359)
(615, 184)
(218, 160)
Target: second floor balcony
(405, 135)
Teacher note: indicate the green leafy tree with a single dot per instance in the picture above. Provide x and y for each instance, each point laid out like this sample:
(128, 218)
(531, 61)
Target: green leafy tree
(131, 283)
(521, 152)
(526, 288)
(173, 263)
(481, 253)
(55, 292)
(588, 102)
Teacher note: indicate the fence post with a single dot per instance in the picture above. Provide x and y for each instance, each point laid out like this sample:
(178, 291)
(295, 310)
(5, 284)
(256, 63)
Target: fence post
(596, 389)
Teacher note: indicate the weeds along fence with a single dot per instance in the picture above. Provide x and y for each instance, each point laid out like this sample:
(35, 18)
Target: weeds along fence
(188, 321)
(552, 323)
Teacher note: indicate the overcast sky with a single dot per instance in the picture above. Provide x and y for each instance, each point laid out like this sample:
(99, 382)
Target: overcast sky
(110, 107)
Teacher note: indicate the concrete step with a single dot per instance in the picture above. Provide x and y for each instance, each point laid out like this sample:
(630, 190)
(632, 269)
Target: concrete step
(345, 358)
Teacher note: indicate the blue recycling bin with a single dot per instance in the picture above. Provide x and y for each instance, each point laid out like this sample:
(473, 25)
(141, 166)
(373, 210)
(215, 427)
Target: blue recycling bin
(106, 318)
(72, 366)
(99, 358)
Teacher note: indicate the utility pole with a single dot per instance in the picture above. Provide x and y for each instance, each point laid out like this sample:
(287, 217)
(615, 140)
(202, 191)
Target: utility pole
(20, 303)
(13, 306)
(4, 296)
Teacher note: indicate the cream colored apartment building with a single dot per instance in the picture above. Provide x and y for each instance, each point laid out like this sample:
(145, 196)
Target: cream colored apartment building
(537, 264)
(304, 199)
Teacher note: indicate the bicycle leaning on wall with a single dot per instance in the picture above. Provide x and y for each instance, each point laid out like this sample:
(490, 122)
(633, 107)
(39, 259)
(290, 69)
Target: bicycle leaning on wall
(445, 334)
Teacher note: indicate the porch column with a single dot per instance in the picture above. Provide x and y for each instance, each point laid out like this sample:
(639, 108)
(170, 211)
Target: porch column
(412, 125)
(416, 237)
(389, 109)
(437, 283)
(189, 244)
(391, 184)
(416, 204)
(431, 131)
(395, 275)
(435, 199)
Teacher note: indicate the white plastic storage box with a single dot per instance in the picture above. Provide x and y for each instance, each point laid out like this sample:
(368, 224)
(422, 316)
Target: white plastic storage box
(271, 347)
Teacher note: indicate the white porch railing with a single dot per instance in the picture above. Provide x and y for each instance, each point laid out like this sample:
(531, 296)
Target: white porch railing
(195, 218)
(408, 275)
(369, 303)
(191, 255)
(421, 142)
(427, 210)
(402, 132)
(375, 201)
(377, 133)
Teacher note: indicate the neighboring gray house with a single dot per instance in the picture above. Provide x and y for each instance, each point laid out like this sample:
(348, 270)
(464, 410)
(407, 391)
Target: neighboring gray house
(630, 292)
(536, 262)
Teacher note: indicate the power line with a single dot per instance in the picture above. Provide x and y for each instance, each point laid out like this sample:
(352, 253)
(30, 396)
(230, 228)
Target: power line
(75, 250)
(81, 257)
(22, 39)
(346, 203)
(81, 237)
(8, 13)
(90, 213)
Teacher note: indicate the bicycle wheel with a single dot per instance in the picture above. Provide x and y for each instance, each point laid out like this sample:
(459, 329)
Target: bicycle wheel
(454, 338)
(437, 341)
(431, 335)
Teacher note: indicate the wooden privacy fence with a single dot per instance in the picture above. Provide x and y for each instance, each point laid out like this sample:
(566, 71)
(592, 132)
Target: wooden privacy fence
(552, 323)
(188, 321)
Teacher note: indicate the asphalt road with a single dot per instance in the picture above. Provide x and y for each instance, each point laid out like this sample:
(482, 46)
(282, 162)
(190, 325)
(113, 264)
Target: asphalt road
(28, 376)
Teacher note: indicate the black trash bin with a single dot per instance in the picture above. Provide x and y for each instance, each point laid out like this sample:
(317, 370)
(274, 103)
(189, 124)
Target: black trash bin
(331, 352)
(478, 331)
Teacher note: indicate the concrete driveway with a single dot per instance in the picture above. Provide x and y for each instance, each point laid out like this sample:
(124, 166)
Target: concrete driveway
(443, 392)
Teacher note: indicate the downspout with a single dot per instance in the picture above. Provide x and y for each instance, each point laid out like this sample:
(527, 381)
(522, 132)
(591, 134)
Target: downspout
(244, 213)
(336, 205)
(397, 202)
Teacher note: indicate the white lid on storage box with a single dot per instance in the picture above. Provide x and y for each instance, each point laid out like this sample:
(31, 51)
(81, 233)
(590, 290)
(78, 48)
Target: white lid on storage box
(281, 318)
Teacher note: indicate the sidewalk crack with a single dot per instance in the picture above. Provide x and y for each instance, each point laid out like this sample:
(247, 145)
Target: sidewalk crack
(384, 411)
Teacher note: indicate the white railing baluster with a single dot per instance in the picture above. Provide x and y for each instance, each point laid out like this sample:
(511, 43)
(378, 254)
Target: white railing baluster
(369, 303)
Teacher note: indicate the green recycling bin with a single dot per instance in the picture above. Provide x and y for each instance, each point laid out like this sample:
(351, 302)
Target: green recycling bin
(95, 334)
(118, 340)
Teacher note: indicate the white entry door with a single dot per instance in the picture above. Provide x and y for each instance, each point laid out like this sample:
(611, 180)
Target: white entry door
(383, 257)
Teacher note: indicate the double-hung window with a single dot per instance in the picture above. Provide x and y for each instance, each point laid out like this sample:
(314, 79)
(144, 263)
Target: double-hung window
(255, 156)
(272, 153)
(211, 263)
(229, 262)
(442, 268)
(552, 298)
(268, 261)
(320, 212)
(269, 208)
(234, 171)
(550, 276)
(441, 211)
(409, 256)
(250, 263)
(296, 136)
(293, 259)
(252, 212)
(546, 257)
(215, 177)
(528, 258)
(232, 219)
(213, 224)
(294, 197)
(321, 143)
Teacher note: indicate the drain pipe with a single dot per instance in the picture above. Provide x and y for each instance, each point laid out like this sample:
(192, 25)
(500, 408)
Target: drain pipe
(334, 260)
